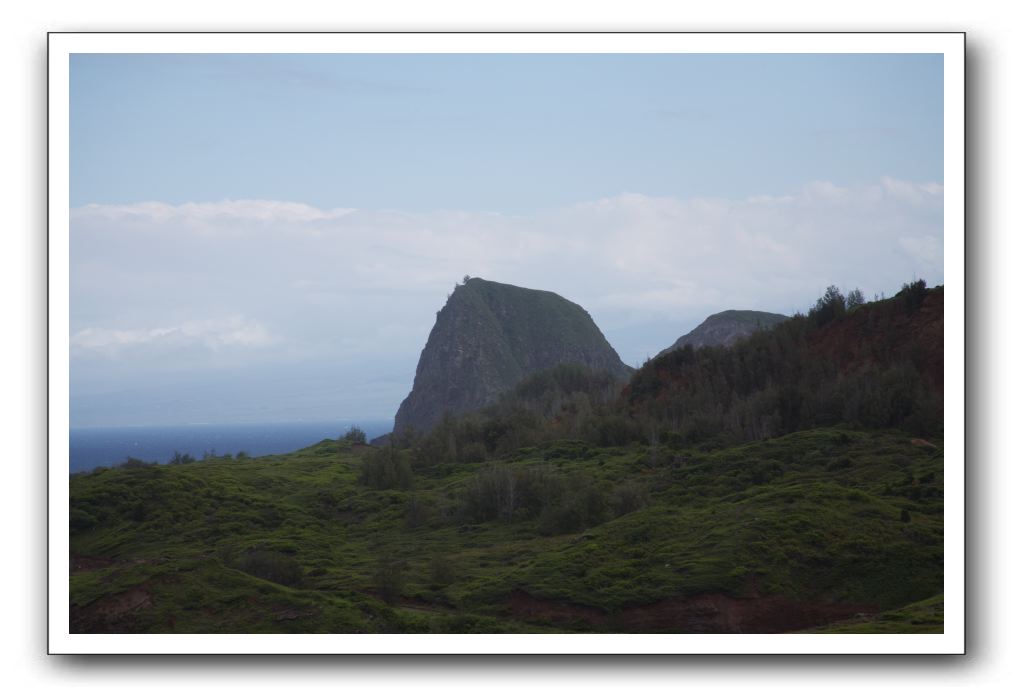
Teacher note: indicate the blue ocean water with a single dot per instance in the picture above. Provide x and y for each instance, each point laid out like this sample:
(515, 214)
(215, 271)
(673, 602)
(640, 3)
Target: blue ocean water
(91, 447)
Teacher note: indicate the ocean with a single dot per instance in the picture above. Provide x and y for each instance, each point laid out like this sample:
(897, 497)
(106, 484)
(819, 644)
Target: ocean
(91, 447)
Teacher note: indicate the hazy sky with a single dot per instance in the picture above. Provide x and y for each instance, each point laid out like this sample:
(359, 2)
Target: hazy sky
(269, 237)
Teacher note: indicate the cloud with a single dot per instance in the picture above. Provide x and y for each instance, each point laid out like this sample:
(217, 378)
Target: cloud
(927, 250)
(915, 194)
(214, 335)
(208, 214)
(363, 286)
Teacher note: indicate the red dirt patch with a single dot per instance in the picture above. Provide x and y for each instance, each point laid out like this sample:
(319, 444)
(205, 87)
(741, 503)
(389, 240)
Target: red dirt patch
(110, 614)
(720, 613)
(695, 614)
(86, 563)
(529, 607)
(293, 614)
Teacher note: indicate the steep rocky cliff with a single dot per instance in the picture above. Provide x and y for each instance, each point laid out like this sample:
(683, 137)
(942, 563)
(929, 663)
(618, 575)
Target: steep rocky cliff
(725, 328)
(487, 338)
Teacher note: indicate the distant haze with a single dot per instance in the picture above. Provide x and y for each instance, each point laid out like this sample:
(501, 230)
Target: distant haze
(268, 238)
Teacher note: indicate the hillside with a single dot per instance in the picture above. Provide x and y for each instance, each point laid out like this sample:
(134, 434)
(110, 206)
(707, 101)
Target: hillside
(725, 328)
(876, 365)
(490, 336)
(789, 534)
(792, 481)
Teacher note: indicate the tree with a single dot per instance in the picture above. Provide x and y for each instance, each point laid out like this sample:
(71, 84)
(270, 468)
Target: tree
(913, 294)
(181, 458)
(855, 298)
(355, 435)
(387, 468)
(829, 307)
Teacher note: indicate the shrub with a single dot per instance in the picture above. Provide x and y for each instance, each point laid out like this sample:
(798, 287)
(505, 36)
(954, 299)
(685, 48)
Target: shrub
(492, 494)
(613, 430)
(355, 436)
(388, 577)
(273, 566)
(388, 468)
(181, 458)
(840, 463)
(858, 496)
(441, 572)
(629, 497)
(81, 521)
(418, 511)
(581, 504)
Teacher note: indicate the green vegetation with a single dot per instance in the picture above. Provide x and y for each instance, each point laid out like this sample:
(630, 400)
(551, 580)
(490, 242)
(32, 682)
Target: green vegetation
(355, 435)
(567, 506)
(302, 542)
(920, 617)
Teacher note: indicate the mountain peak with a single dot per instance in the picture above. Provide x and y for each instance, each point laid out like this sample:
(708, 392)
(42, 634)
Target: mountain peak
(487, 338)
(726, 327)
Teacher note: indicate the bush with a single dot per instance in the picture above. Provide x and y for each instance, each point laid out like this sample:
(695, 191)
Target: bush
(441, 572)
(388, 577)
(580, 505)
(613, 430)
(81, 521)
(492, 494)
(418, 511)
(355, 436)
(629, 497)
(181, 458)
(388, 468)
(273, 566)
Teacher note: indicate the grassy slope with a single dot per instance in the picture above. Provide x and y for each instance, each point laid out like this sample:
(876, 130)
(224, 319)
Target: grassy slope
(813, 515)
(921, 617)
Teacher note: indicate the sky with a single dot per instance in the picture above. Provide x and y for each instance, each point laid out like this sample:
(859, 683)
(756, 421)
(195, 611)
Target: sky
(269, 237)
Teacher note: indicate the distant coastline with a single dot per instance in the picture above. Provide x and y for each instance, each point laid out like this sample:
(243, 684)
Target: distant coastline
(92, 447)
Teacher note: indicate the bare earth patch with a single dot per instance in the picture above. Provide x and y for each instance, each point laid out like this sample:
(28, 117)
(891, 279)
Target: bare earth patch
(110, 614)
(695, 614)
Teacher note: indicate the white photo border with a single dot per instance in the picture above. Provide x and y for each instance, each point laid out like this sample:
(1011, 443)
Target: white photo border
(62, 45)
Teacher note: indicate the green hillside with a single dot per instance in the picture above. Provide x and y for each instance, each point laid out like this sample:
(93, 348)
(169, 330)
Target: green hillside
(790, 482)
(819, 525)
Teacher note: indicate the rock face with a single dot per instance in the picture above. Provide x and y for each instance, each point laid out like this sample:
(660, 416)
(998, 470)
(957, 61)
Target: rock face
(725, 328)
(487, 338)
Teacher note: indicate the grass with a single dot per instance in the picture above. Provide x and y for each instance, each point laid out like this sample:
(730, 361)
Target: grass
(294, 543)
(921, 617)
